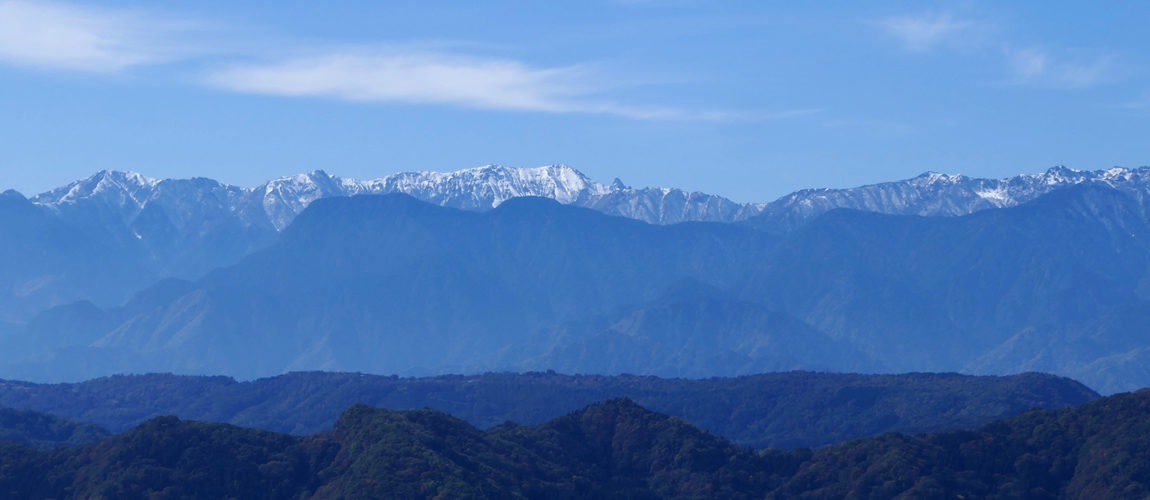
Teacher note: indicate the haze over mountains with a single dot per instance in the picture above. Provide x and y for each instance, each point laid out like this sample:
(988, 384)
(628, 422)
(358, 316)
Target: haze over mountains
(937, 273)
(184, 228)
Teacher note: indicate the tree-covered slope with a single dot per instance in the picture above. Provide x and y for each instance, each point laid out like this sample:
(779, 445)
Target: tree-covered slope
(777, 409)
(614, 449)
(1100, 450)
(611, 450)
(44, 431)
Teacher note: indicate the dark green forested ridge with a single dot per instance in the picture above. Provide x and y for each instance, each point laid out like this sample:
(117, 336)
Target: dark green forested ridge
(614, 449)
(44, 431)
(783, 410)
(1099, 450)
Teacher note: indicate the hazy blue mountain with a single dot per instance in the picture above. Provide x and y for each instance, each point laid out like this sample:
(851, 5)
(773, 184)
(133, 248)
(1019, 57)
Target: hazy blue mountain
(184, 228)
(47, 262)
(996, 291)
(389, 284)
(694, 330)
(138, 229)
(774, 409)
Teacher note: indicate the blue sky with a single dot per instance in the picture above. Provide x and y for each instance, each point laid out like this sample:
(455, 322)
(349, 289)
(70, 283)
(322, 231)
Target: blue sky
(750, 100)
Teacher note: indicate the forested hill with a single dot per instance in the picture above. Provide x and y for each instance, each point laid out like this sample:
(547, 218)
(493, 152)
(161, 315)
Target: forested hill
(777, 409)
(1098, 450)
(46, 432)
(614, 449)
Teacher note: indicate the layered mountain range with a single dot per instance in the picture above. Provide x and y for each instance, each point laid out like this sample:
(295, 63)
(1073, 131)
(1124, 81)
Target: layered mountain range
(1041, 272)
(183, 228)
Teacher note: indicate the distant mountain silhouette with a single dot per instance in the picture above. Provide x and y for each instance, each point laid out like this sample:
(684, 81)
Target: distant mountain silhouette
(184, 228)
(965, 293)
(47, 262)
(389, 283)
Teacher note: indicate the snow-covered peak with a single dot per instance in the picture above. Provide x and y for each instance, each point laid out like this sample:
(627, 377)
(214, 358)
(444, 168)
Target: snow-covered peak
(936, 194)
(488, 186)
(111, 185)
(284, 198)
(481, 188)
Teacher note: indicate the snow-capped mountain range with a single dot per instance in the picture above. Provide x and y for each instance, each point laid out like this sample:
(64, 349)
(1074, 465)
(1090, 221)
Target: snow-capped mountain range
(934, 194)
(1067, 266)
(191, 226)
(277, 202)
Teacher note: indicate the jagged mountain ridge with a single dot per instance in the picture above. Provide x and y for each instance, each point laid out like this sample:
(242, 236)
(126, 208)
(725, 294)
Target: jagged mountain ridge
(274, 204)
(478, 189)
(934, 194)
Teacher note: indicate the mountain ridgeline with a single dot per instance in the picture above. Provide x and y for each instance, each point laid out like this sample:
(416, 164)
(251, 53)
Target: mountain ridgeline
(1037, 273)
(793, 409)
(614, 449)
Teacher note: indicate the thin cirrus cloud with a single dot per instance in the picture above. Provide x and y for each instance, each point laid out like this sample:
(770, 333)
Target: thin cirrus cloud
(923, 33)
(1025, 66)
(414, 78)
(66, 37)
(1037, 67)
(61, 36)
(437, 78)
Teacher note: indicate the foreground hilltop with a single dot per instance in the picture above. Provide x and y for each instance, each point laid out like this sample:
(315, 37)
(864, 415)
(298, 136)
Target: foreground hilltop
(614, 449)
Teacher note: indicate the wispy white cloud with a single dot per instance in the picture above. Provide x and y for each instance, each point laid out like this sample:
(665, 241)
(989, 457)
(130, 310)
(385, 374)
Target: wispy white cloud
(438, 78)
(411, 77)
(1032, 66)
(63, 36)
(922, 33)
(982, 37)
